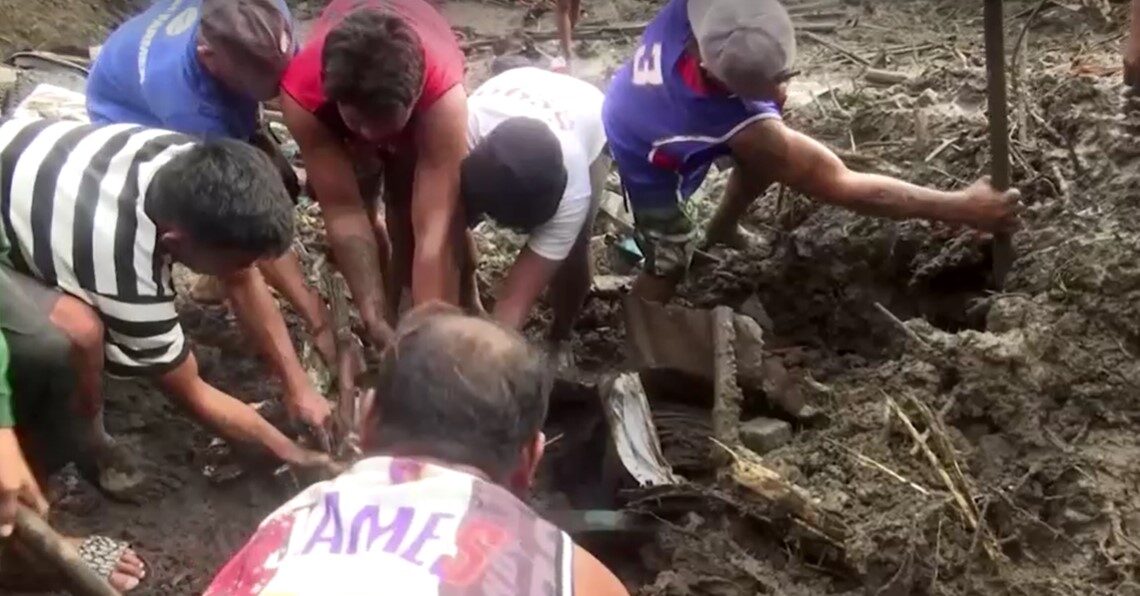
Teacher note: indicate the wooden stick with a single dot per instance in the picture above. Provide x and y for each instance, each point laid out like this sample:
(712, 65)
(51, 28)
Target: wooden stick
(884, 77)
(38, 537)
(863, 459)
(834, 47)
(1003, 255)
(963, 504)
(749, 471)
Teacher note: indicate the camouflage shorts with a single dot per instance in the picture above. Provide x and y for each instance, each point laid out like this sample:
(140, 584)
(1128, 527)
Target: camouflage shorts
(667, 238)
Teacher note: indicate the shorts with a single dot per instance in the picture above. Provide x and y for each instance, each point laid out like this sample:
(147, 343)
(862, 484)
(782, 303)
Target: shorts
(40, 372)
(665, 234)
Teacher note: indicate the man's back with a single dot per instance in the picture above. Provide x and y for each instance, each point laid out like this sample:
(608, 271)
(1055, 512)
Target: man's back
(569, 106)
(666, 122)
(412, 527)
(148, 73)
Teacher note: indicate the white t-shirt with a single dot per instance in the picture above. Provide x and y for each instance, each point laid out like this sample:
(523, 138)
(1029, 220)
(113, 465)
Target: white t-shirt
(572, 108)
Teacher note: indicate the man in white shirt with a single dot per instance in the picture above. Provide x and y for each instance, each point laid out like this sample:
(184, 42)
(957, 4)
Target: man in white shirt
(536, 166)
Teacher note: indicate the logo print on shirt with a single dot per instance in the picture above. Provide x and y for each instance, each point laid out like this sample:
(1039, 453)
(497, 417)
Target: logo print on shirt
(182, 21)
(647, 68)
(148, 36)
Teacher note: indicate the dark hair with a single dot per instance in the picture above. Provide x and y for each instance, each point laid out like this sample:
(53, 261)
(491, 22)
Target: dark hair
(460, 389)
(225, 194)
(373, 61)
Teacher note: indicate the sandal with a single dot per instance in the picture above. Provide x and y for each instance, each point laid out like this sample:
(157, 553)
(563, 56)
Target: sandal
(102, 554)
(105, 556)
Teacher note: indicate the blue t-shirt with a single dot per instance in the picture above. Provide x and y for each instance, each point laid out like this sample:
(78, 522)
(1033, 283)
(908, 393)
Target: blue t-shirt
(148, 73)
(664, 123)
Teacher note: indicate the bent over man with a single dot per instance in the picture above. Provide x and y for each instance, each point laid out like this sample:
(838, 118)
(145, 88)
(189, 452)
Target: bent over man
(708, 81)
(378, 91)
(200, 67)
(536, 166)
(94, 217)
(453, 441)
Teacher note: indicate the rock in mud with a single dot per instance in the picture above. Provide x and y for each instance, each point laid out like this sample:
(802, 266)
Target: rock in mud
(765, 434)
(755, 309)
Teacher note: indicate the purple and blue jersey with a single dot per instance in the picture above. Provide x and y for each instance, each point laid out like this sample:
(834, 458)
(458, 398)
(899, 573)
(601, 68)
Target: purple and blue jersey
(665, 123)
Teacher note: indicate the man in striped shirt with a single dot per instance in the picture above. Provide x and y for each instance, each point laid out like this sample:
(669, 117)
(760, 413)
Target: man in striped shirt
(94, 217)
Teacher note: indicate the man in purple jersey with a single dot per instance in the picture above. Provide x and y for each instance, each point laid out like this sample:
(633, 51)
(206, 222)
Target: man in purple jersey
(709, 80)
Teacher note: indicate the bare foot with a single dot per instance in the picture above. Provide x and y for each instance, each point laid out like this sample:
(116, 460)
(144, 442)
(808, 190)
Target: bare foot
(117, 563)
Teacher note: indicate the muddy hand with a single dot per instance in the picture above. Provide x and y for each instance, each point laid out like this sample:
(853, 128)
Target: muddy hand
(992, 210)
(380, 334)
(308, 407)
(308, 460)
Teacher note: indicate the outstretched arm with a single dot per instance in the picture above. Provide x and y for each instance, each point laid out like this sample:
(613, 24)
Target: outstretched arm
(230, 418)
(262, 319)
(360, 255)
(525, 282)
(808, 166)
(441, 141)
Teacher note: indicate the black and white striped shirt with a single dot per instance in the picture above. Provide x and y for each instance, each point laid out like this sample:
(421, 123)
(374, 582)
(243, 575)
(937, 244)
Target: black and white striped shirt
(72, 204)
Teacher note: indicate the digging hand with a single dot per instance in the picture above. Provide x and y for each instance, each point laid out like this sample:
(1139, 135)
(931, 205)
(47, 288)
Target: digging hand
(308, 407)
(992, 210)
(17, 484)
(308, 460)
(380, 334)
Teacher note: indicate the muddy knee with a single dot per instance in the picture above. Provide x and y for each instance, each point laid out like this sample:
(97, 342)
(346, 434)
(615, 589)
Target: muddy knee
(82, 326)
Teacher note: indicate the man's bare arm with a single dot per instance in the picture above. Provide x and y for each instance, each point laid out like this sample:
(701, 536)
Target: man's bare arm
(808, 166)
(441, 141)
(591, 578)
(226, 416)
(261, 318)
(359, 255)
(525, 282)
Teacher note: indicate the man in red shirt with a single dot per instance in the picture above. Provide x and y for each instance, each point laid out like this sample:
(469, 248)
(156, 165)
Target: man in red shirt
(378, 91)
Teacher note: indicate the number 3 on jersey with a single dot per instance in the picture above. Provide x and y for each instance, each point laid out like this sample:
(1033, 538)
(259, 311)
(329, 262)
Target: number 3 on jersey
(647, 68)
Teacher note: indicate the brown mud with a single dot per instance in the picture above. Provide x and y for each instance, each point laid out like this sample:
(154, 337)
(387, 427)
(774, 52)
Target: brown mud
(1028, 398)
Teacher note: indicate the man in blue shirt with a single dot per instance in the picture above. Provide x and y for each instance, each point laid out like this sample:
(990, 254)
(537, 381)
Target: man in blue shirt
(709, 80)
(195, 66)
(201, 67)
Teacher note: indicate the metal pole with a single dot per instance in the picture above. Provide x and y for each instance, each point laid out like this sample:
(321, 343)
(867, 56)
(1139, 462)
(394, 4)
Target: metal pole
(999, 128)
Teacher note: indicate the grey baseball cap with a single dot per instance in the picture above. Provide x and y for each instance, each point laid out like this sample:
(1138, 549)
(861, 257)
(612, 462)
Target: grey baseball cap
(255, 29)
(747, 44)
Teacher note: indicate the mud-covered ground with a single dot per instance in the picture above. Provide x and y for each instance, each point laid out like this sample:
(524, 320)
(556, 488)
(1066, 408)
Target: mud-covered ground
(1027, 398)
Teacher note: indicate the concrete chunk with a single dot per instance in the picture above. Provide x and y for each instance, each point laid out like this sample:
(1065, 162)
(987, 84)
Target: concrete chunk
(765, 434)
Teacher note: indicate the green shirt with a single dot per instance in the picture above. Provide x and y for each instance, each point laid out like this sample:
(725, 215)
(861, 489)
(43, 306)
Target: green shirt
(6, 418)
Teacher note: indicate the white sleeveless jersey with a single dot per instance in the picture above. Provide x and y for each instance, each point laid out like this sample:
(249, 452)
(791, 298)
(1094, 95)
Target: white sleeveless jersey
(401, 526)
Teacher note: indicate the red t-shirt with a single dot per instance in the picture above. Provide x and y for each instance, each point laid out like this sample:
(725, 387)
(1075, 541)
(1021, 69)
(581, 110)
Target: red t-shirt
(443, 60)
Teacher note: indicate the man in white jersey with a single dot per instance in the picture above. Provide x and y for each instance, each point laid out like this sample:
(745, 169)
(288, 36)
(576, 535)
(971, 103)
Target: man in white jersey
(536, 165)
(452, 443)
(93, 217)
